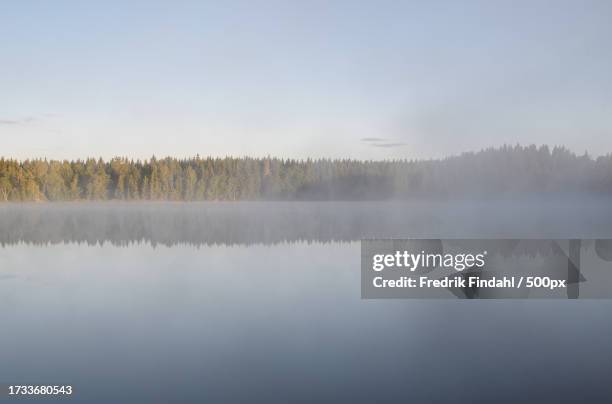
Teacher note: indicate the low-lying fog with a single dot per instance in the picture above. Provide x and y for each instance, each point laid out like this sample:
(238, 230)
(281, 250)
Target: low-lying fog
(274, 222)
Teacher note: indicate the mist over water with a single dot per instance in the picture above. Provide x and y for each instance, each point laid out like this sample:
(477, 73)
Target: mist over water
(260, 302)
(246, 223)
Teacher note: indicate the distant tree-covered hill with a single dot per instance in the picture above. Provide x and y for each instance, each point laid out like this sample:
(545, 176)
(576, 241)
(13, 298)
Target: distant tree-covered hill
(491, 172)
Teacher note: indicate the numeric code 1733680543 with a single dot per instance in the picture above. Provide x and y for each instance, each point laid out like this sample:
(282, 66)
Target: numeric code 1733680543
(39, 390)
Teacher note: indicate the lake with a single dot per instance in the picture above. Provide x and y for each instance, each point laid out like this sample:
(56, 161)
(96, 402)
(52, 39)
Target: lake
(260, 302)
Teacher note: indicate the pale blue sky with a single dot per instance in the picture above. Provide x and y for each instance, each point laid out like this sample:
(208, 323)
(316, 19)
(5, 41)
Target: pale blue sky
(299, 79)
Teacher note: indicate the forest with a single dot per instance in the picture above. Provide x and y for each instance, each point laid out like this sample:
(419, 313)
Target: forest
(507, 170)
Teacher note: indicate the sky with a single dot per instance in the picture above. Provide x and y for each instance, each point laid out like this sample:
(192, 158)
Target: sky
(355, 79)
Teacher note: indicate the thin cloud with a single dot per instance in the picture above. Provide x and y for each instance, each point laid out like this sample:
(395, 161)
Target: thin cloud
(373, 139)
(22, 121)
(389, 144)
(382, 142)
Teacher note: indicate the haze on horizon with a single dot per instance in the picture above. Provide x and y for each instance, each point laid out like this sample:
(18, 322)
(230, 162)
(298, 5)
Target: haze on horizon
(367, 80)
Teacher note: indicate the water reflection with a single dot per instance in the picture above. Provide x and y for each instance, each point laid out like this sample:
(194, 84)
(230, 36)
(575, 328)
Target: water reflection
(236, 324)
(230, 307)
(276, 222)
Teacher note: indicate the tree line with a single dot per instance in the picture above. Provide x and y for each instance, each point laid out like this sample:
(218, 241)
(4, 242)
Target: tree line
(490, 172)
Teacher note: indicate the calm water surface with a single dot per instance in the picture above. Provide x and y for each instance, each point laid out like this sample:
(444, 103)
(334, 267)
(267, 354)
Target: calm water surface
(261, 302)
